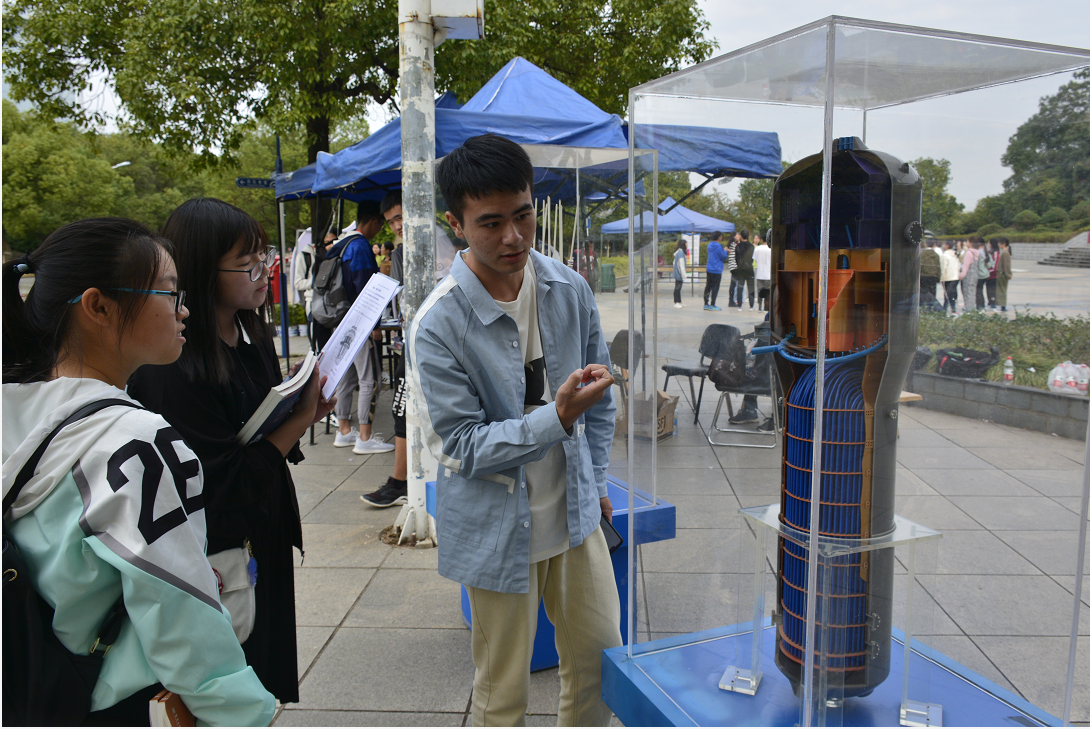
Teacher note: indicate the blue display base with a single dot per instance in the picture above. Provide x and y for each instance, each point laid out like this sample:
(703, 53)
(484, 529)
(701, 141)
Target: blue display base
(675, 682)
(656, 523)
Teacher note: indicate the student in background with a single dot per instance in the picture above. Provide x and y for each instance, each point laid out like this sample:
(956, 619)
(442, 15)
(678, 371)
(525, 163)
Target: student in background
(227, 368)
(762, 263)
(680, 255)
(714, 269)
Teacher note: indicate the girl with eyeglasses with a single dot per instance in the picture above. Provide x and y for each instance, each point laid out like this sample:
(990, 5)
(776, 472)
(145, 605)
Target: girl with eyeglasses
(227, 368)
(111, 518)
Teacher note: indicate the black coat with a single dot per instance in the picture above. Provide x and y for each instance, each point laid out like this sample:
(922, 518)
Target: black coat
(248, 492)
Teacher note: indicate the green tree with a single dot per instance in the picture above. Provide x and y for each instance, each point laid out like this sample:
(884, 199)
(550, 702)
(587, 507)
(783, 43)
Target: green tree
(1053, 146)
(52, 175)
(940, 208)
(600, 48)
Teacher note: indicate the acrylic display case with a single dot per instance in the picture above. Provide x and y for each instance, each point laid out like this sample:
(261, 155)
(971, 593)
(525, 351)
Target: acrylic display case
(939, 580)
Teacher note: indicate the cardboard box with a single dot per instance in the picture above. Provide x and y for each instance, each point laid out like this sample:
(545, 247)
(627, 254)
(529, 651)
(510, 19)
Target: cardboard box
(641, 412)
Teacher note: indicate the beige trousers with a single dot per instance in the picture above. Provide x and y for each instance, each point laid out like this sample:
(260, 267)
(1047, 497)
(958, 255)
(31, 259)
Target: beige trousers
(580, 595)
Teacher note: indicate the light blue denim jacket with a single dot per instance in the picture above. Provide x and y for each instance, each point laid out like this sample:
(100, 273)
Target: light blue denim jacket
(469, 367)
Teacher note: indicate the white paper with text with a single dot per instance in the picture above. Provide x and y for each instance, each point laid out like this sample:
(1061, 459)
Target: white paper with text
(362, 317)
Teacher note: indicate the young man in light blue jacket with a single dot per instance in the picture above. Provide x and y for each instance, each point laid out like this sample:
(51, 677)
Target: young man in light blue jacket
(511, 362)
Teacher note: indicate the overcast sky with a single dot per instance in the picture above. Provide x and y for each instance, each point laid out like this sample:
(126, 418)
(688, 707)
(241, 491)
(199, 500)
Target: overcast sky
(940, 128)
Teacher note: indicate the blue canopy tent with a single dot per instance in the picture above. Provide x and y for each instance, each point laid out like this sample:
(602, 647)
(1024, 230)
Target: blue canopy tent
(677, 219)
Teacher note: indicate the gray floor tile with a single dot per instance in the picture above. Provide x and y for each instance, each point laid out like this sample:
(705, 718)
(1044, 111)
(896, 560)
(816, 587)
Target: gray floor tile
(366, 479)
(686, 437)
(732, 458)
(1026, 513)
(310, 641)
(686, 457)
(323, 596)
(1071, 503)
(303, 717)
(702, 551)
(687, 603)
(1051, 483)
(985, 482)
(756, 481)
(417, 599)
(544, 694)
(705, 512)
(1053, 552)
(929, 618)
(308, 499)
(936, 512)
(1021, 457)
(1002, 604)
(1067, 582)
(962, 649)
(909, 484)
(400, 670)
(710, 481)
(345, 507)
(977, 552)
(1037, 667)
(979, 435)
(320, 478)
(955, 458)
(923, 438)
(341, 545)
(409, 558)
(321, 454)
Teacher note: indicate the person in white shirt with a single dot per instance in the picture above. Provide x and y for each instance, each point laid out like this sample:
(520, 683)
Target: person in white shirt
(762, 265)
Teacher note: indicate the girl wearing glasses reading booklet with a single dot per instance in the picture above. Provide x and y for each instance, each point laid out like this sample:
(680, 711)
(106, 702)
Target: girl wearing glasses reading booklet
(226, 370)
(107, 518)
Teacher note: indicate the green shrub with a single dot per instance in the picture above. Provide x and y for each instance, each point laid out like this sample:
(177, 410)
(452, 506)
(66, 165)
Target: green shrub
(1053, 216)
(1080, 211)
(1026, 220)
(989, 229)
(1031, 340)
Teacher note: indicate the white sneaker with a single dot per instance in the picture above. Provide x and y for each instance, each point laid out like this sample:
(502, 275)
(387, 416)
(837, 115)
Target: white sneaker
(373, 445)
(679, 306)
(333, 420)
(344, 440)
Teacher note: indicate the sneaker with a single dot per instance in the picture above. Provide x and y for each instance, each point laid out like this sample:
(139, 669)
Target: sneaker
(333, 420)
(388, 495)
(707, 308)
(713, 308)
(344, 440)
(746, 415)
(679, 306)
(373, 445)
(767, 426)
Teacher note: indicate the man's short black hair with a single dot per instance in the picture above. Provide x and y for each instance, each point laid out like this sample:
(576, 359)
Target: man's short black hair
(482, 166)
(716, 235)
(392, 200)
(366, 211)
(744, 234)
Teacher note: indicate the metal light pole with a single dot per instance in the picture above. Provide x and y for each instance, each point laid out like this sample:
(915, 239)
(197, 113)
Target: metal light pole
(422, 25)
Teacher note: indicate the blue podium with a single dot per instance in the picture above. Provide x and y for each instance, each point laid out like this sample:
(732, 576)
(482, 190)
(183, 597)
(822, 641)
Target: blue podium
(657, 523)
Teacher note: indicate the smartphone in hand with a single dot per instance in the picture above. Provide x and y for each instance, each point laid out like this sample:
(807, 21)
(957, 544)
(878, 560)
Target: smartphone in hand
(613, 537)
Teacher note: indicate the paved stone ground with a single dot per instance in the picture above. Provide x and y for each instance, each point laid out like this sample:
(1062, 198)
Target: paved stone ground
(381, 637)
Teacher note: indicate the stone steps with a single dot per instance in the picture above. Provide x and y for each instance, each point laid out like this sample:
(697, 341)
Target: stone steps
(1075, 257)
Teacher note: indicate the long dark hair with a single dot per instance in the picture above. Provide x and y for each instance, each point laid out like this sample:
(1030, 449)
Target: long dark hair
(203, 230)
(102, 253)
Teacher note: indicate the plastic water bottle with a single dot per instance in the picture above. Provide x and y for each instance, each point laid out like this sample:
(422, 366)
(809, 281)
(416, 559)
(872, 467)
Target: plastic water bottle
(1056, 379)
(1083, 382)
(1008, 372)
(1071, 382)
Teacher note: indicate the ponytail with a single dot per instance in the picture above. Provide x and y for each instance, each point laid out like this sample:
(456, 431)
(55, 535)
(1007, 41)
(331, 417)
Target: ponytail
(102, 253)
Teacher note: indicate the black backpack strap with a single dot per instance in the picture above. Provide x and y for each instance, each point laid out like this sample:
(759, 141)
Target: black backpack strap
(27, 471)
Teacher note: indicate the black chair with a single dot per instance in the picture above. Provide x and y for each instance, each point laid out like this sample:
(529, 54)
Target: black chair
(761, 380)
(713, 344)
(622, 364)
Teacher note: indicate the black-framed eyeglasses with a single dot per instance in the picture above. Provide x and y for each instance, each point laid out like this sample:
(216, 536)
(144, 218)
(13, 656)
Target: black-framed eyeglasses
(258, 268)
(179, 296)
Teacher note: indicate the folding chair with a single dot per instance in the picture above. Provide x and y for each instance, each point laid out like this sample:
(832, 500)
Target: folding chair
(769, 387)
(622, 364)
(712, 343)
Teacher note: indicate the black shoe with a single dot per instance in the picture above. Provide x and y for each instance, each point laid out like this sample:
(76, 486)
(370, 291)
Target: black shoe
(767, 426)
(388, 495)
(745, 415)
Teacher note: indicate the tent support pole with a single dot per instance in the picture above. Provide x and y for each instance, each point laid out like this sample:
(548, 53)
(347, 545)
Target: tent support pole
(417, 101)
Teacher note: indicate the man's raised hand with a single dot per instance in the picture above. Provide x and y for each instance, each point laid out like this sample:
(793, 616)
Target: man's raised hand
(581, 391)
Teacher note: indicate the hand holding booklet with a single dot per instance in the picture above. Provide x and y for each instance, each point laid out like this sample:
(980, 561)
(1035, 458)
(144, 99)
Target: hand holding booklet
(354, 329)
(277, 405)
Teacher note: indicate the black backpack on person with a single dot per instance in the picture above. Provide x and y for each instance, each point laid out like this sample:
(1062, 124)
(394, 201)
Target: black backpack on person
(44, 683)
(330, 302)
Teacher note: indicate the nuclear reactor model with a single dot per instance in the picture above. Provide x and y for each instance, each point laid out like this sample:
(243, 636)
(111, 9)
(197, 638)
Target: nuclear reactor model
(873, 292)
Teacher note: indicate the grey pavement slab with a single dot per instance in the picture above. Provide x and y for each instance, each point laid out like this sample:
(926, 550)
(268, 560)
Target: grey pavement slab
(953, 458)
(323, 596)
(909, 484)
(424, 600)
(303, 717)
(366, 478)
(690, 602)
(991, 605)
(983, 482)
(1037, 667)
(391, 669)
(308, 499)
(1053, 552)
(341, 545)
(1051, 483)
(309, 641)
(702, 551)
(1016, 512)
(924, 438)
(979, 552)
(345, 507)
(1023, 458)
(705, 512)
(962, 649)
(323, 478)
(937, 512)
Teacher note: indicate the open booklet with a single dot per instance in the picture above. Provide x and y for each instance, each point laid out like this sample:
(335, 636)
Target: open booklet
(277, 405)
(354, 329)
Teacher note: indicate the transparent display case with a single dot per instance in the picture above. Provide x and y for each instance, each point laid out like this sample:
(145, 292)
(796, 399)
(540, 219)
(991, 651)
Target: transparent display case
(939, 580)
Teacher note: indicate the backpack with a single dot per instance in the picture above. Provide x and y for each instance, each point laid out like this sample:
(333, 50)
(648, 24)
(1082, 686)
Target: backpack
(962, 362)
(330, 302)
(44, 683)
(728, 366)
(981, 265)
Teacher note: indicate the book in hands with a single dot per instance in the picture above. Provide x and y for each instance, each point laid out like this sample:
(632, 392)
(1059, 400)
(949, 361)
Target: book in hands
(277, 405)
(168, 709)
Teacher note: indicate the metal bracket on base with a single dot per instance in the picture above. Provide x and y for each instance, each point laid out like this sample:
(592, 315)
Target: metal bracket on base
(917, 713)
(740, 680)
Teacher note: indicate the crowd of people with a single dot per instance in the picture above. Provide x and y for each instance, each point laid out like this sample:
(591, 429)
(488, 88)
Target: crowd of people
(136, 358)
(980, 269)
